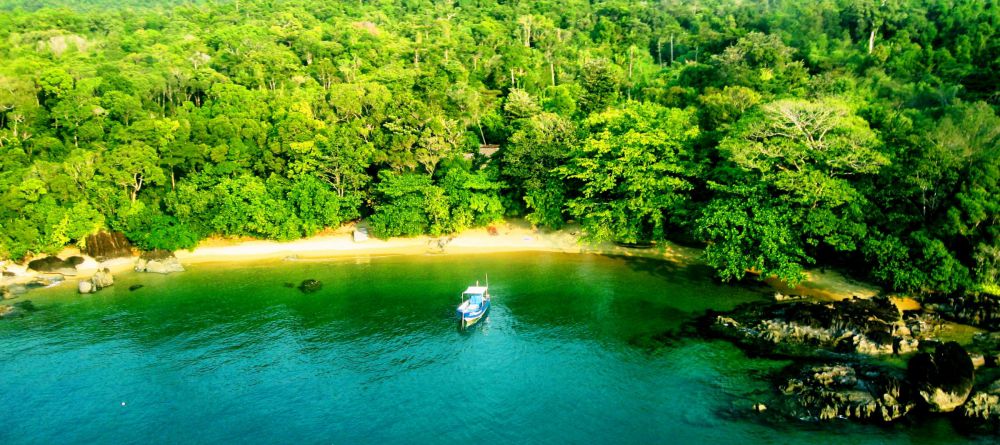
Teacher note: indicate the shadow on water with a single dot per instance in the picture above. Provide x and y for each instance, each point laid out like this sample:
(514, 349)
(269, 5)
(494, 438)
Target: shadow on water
(653, 266)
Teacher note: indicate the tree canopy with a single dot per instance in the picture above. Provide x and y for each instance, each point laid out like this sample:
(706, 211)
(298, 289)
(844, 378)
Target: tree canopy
(779, 134)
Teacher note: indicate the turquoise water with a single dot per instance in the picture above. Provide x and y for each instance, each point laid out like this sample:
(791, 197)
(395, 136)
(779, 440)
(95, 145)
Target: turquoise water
(577, 349)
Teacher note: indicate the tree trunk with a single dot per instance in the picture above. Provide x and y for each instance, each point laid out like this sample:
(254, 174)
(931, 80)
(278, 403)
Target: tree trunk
(671, 48)
(659, 56)
(871, 40)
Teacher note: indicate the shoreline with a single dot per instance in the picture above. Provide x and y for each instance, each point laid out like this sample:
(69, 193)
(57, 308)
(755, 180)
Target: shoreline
(510, 236)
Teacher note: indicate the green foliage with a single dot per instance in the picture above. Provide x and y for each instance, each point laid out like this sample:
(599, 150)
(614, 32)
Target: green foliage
(748, 231)
(633, 171)
(833, 132)
(410, 204)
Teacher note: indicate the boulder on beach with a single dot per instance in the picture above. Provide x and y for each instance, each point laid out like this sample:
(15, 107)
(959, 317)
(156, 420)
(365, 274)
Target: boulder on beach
(107, 245)
(943, 378)
(54, 264)
(309, 286)
(158, 261)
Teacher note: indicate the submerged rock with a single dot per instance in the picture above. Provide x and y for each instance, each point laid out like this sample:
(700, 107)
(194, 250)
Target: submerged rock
(16, 309)
(309, 286)
(135, 287)
(943, 379)
(871, 326)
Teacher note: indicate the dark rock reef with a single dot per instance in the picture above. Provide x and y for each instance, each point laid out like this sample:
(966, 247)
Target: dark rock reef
(982, 410)
(872, 326)
(844, 390)
(981, 310)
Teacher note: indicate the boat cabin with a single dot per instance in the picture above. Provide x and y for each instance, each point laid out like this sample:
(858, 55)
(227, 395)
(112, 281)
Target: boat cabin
(474, 294)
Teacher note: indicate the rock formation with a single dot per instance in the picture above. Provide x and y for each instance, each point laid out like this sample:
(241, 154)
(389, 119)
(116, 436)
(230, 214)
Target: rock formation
(943, 378)
(309, 286)
(871, 326)
(839, 390)
(158, 261)
(107, 245)
(982, 410)
(977, 310)
(54, 264)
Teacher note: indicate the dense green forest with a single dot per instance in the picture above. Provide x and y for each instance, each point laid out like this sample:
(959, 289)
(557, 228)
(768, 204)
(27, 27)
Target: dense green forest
(779, 134)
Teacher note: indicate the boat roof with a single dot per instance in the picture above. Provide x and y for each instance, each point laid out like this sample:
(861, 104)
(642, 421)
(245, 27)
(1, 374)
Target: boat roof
(476, 290)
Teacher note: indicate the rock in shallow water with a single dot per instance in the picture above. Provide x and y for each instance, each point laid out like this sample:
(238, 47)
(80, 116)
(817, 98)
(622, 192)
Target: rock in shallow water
(85, 287)
(982, 410)
(309, 286)
(843, 390)
(102, 279)
(871, 326)
(943, 379)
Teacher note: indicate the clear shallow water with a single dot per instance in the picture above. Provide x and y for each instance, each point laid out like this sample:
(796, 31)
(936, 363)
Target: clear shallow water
(577, 349)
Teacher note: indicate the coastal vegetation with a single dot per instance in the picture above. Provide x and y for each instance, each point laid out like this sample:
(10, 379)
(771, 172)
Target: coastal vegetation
(779, 134)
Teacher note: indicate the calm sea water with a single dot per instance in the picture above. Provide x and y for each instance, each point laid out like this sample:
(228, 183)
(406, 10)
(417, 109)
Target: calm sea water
(577, 349)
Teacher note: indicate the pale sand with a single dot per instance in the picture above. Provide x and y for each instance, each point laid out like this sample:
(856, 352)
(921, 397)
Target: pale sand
(512, 236)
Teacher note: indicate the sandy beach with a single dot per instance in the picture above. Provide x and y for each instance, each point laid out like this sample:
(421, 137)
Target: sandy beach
(511, 236)
(508, 236)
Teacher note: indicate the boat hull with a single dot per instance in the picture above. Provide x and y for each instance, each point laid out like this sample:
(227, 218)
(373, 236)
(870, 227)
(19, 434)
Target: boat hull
(467, 319)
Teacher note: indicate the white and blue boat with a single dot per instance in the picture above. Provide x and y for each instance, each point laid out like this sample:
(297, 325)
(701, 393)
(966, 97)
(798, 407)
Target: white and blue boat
(475, 305)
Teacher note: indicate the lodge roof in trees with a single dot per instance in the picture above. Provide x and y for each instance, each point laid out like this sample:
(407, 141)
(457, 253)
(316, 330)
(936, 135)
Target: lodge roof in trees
(486, 150)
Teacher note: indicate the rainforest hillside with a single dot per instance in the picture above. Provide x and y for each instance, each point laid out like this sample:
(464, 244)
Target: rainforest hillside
(779, 134)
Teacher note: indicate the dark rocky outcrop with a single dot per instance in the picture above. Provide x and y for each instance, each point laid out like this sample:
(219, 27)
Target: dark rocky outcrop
(54, 264)
(158, 261)
(134, 287)
(982, 410)
(872, 326)
(841, 390)
(987, 345)
(981, 310)
(944, 378)
(310, 286)
(107, 245)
